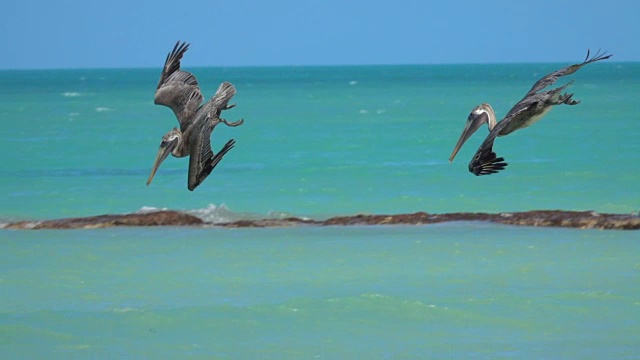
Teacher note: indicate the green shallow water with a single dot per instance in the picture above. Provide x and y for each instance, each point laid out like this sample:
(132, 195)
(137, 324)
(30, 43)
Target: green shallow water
(455, 290)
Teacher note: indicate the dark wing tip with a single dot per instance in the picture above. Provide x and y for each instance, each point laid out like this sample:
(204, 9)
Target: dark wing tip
(172, 62)
(174, 57)
(225, 149)
(487, 165)
(600, 55)
(209, 163)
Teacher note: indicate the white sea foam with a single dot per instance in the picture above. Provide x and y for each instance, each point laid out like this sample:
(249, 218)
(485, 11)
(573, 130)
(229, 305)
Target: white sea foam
(103, 109)
(218, 214)
(353, 82)
(149, 209)
(26, 225)
(215, 214)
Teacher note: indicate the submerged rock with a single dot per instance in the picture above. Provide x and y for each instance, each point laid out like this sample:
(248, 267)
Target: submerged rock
(548, 218)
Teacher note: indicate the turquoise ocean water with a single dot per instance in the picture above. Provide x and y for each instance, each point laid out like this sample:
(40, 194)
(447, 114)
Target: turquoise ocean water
(318, 142)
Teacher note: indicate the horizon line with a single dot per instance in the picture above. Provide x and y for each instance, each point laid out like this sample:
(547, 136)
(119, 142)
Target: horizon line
(296, 66)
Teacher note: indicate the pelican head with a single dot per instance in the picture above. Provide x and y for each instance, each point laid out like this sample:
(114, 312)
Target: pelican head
(481, 114)
(170, 142)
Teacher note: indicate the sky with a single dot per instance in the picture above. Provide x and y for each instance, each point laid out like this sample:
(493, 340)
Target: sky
(45, 34)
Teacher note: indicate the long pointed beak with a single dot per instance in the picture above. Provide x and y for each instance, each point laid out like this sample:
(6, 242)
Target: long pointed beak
(473, 124)
(163, 152)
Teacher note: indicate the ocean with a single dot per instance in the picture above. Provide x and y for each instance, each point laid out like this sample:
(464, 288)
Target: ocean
(319, 142)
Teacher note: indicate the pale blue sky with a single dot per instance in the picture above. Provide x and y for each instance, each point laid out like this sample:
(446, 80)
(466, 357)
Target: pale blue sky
(133, 33)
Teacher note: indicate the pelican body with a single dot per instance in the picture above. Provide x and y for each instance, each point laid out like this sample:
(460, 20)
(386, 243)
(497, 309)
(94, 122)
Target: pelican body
(178, 90)
(533, 106)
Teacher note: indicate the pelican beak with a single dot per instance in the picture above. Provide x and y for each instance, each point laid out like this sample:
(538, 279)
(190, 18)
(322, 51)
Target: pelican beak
(474, 121)
(163, 152)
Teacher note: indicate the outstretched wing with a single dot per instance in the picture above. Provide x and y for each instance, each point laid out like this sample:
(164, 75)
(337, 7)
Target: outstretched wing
(202, 160)
(554, 76)
(178, 89)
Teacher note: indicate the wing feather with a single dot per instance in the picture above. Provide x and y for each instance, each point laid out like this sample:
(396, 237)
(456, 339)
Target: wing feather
(554, 76)
(485, 161)
(178, 89)
(202, 160)
(200, 156)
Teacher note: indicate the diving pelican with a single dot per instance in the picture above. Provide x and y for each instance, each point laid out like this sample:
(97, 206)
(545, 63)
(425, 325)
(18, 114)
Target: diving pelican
(179, 91)
(533, 106)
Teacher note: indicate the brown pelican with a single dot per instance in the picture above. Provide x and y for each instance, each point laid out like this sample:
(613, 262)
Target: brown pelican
(179, 91)
(527, 111)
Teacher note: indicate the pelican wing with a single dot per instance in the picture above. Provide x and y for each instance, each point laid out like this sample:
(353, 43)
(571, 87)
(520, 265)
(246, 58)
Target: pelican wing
(202, 160)
(178, 89)
(521, 107)
(485, 161)
(554, 76)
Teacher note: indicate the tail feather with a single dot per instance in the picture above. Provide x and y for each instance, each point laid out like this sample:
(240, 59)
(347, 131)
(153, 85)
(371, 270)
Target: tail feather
(223, 95)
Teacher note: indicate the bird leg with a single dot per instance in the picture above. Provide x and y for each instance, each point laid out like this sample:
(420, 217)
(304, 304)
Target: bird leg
(232, 124)
(566, 99)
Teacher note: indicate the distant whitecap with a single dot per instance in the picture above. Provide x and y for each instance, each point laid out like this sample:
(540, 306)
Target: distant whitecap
(363, 111)
(103, 109)
(71, 94)
(353, 82)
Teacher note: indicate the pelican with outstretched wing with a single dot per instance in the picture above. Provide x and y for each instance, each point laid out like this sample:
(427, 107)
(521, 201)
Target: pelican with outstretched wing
(533, 106)
(179, 91)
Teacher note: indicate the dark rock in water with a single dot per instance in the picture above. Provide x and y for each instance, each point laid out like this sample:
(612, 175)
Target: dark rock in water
(291, 221)
(549, 218)
(156, 218)
(405, 219)
(574, 219)
(554, 218)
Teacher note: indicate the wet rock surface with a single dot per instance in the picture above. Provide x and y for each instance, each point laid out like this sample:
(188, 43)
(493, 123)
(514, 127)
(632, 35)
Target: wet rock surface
(547, 218)
(158, 218)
